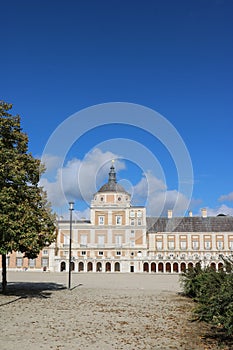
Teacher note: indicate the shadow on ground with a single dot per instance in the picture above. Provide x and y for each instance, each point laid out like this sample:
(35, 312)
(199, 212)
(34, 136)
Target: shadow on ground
(30, 290)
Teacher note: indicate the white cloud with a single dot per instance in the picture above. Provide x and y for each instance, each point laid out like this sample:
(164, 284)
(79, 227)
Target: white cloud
(79, 179)
(153, 193)
(223, 209)
(51, 162)
(226, 197)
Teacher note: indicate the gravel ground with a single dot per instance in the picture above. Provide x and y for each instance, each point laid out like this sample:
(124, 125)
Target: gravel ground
(101, 311)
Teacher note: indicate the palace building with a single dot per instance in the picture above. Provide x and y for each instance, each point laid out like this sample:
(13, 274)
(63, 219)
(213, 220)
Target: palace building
(120, 238)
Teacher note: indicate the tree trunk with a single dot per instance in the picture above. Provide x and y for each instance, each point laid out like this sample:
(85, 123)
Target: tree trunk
(4, 282)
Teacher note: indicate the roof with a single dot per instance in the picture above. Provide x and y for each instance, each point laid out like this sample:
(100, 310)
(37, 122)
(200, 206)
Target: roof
(112, 185)
(190, 224)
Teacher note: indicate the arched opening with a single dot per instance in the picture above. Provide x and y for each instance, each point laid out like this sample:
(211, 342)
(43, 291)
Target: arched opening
(146, 267)
(160, 267)
(153, 267)
(99, 267)
(183, 267)
(213, 266)
(108, 267)
(190, 266)
(72, 266)
(80, 266)
(63, 266)
(175, 267)
(220, 266)
(168, 267)
(117, 267)
(89, 266)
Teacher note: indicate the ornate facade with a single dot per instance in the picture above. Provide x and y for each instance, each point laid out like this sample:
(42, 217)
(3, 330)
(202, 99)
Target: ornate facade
(120, 238)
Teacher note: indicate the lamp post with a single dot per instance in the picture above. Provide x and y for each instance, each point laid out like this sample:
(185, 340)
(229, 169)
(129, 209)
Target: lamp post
(71, 208)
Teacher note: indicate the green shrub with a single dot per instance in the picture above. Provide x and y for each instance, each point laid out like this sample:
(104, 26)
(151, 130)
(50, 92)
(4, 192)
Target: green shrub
(214, 293)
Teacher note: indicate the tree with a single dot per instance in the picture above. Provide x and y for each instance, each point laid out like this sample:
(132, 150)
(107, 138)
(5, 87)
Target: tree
(26, 220)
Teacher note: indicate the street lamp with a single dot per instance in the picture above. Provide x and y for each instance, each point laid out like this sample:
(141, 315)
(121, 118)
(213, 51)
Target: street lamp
(71, 208)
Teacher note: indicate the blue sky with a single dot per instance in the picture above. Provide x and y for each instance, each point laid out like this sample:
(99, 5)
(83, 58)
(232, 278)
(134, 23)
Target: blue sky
(173, 57)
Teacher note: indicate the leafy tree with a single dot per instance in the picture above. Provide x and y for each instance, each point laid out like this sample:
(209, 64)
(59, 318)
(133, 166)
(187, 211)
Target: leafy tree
(26, 220)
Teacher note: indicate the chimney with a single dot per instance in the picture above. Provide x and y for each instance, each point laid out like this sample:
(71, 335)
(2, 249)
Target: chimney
(204, 212)
(190, 213)
(169, 213)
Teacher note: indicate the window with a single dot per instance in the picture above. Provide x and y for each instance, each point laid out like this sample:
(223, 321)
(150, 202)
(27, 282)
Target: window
(45, 252)
(139, 214)
(132, 213)
(32, 262)
(195, 245)
(132, 233)
(219, 245)
(132, 222)
(139, 222)
(231, 245)
(19, 262)
(183, 245)
(132, 243)
(171, 245)
(207, 245)
(83, 240)
(66, 241)
(83, 252)
(118, 253)
(101, 253)
(159, 245)
(100, 241)
(119, 220)
(66, 252)
(101, 220)
(45, 262)
(118, 240)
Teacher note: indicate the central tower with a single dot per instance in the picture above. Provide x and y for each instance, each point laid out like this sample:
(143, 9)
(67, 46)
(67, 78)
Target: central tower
(111, 194)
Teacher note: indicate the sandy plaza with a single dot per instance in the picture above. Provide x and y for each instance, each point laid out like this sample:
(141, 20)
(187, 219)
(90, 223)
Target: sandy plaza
(100, 311)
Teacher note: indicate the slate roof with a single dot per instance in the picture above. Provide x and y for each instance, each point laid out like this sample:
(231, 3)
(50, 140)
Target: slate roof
(190, 224)
(112, 187)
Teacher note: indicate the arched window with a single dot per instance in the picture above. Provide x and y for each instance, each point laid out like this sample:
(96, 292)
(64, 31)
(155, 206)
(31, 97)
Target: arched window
(175, 267)
(99, 267)
(153, 267)
(81, 266)
(183, 267)
(117, 267)
(146, 267)
(63, 266)
(108, 267)
(89, 266)
(168, 267)
(160, 267)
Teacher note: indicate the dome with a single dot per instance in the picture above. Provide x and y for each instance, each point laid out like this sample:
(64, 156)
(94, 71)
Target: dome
(112, 185)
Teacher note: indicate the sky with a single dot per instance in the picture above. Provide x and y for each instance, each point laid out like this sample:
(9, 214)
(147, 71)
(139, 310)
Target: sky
(146, 83)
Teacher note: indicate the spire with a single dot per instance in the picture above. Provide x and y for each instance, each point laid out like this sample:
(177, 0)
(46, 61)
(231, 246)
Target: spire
(112, 174)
